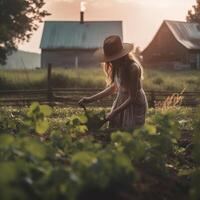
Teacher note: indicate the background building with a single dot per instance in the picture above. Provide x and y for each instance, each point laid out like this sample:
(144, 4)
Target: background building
(72, 43)
(175, 45)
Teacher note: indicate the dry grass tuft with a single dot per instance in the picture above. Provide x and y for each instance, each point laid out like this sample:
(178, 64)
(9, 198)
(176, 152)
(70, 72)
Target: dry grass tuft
(175, 100)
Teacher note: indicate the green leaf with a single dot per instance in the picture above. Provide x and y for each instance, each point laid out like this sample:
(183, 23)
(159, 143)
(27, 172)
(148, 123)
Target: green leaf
(78, 119)
(6, 141)
(83, 119)
(35, 148)
(41, 126)
(34, 106)
(151, 129)
(186, 172)
(84, 158)
(46, 110)
(123, 137)
(7, 172)
(81, 129)
(124, 162)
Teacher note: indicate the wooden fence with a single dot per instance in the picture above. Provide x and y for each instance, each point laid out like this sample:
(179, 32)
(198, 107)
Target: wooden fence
(71, 96)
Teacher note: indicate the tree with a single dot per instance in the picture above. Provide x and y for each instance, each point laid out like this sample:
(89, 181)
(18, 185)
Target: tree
(194, 13)
(18, 19)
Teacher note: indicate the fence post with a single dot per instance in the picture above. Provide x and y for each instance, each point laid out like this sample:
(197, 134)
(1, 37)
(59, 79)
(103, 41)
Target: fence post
(49, 85)
(152, 99)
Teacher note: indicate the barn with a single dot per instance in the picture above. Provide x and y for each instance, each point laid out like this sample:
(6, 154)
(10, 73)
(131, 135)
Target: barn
(72, 43)
(176, 45)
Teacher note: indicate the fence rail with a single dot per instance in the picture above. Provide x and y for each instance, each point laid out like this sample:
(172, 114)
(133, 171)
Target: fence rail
(70, 96)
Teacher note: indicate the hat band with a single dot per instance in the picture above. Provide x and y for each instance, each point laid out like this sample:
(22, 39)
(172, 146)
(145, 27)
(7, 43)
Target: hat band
(113, 51)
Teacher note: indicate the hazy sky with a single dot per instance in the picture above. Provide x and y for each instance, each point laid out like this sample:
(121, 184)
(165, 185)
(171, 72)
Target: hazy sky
(141, 18)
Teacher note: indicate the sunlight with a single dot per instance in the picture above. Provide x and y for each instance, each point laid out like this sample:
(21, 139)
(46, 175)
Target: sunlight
(162, 3)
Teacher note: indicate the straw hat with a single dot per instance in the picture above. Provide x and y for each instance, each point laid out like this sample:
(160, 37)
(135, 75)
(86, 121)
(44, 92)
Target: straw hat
(113, 49)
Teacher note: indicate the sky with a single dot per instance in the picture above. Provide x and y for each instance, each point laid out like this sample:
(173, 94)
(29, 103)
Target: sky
(141, 18)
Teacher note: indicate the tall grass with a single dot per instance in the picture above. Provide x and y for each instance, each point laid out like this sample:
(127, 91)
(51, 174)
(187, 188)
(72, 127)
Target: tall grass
(94, 78)
(170, 80)
(22, 79)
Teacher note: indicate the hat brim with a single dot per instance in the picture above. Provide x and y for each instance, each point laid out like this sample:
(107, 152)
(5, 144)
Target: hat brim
(127, 48)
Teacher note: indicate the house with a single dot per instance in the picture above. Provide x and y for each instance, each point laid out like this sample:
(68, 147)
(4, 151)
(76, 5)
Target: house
(72, 43)
(175, 45)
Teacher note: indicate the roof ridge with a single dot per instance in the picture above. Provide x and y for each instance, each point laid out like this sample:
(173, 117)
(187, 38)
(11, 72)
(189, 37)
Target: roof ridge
(73, 34)
(77, 21)
(176, 21)
(185, 40)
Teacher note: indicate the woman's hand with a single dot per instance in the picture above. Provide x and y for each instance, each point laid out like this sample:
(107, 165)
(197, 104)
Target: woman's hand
(83, 101)
(110, 116)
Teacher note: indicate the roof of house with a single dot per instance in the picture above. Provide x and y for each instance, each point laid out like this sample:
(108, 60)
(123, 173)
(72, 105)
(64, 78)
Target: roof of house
(73, 34)
(186, 33)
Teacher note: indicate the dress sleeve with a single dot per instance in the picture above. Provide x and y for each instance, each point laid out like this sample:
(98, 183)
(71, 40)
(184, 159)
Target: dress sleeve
(135, 79)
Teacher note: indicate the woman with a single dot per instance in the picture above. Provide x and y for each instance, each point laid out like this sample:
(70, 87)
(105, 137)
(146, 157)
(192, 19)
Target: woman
(124, 74)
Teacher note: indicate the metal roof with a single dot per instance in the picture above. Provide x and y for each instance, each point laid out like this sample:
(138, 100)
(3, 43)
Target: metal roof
(73, 34)
(188, 34)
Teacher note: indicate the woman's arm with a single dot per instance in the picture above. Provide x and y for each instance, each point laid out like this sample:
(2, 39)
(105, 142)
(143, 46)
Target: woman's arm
(108, 91)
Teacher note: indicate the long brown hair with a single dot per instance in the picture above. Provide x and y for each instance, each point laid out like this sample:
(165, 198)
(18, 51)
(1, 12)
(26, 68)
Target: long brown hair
(122, 68)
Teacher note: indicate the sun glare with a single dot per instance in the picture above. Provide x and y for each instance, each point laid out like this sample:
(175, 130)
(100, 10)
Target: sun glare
(161, 3)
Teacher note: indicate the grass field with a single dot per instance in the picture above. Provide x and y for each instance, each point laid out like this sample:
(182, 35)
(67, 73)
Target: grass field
(94, 78)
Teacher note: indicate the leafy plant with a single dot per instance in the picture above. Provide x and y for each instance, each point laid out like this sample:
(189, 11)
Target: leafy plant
(69, 161)
(95, 120)
(36, 117)
(195, 194)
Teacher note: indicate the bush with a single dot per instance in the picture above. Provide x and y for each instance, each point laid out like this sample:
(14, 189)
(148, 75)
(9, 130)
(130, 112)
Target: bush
(42, 161)
(158, 81)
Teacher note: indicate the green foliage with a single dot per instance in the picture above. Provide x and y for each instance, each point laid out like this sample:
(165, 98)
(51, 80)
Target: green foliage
(194, 13)
(18, 19)
(36, 117)
(77, 124)
(95, 120)
(152, 143)
(133, 146)
(103, 171)
(71, 162)
(95, 78)
(158, 81)
(89, 121)
(195, 193)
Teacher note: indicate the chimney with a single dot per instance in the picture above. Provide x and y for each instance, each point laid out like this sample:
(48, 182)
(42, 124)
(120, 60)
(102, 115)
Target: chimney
(82, 17)
(83, 8)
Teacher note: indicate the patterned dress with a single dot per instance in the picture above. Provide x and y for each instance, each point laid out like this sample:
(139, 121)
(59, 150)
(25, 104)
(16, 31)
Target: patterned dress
(134, 114)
